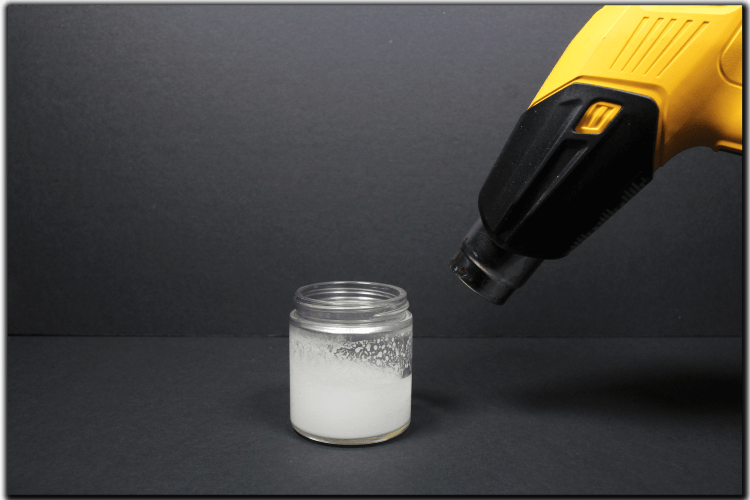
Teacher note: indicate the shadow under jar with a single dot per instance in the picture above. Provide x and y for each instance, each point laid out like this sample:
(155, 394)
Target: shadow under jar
(350, 349)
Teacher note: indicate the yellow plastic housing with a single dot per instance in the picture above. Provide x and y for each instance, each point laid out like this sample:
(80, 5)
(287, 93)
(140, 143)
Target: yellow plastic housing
(687, 58)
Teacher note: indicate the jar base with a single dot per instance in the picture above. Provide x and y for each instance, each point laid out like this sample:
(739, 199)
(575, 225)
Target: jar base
(356, 441)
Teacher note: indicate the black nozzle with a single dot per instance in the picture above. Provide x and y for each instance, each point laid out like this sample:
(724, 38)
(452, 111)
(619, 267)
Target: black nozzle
(489, 270)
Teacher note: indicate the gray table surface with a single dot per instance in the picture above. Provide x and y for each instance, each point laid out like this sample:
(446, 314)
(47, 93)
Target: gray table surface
(507, 416)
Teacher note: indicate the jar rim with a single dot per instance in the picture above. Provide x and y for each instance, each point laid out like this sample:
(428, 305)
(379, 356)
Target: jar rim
(351, 297)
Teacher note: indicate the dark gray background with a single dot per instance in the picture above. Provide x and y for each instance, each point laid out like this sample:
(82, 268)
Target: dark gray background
(181, 170)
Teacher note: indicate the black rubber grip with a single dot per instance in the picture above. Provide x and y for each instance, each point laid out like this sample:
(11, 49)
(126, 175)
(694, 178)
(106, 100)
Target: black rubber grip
(551, 187)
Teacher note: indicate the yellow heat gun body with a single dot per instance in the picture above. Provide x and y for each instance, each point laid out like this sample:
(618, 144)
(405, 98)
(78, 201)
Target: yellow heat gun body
(636, 86)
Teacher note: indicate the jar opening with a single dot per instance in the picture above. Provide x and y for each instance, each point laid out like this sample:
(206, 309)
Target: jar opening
(350, 301)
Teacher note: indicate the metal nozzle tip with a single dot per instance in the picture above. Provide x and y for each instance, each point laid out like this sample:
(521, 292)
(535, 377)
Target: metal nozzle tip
(489, 270)
(473, 276)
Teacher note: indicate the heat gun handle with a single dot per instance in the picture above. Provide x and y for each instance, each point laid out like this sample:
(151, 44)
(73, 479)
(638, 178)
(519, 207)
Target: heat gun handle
(687, 58)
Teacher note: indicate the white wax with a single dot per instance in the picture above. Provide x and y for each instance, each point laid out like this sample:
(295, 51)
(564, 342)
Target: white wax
(343, 398)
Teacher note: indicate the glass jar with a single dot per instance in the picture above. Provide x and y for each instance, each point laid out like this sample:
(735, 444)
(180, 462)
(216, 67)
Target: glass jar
(350, 348)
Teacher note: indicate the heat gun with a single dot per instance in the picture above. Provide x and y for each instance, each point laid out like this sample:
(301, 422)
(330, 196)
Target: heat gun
(636, 86)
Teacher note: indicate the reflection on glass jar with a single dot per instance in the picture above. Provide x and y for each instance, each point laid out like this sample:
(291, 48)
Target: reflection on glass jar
(350, 350)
